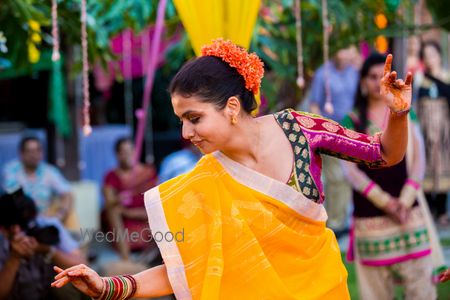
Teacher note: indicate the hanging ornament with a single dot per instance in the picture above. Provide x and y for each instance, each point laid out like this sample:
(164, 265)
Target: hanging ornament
(87, 129)
(149, 80)
(392, 5)
(298, 28)
(329, 109)
(55, 35)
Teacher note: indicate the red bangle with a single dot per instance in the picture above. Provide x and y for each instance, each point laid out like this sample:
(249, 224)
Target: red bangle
(400, 113)
(133, 284)
(368, 188)
(413, 183)
(117, 288)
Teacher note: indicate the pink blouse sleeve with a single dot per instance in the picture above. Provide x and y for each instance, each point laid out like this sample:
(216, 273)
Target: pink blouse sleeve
(329, 137)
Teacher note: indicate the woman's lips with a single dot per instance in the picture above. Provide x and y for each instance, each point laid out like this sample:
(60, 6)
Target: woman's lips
(197, 143)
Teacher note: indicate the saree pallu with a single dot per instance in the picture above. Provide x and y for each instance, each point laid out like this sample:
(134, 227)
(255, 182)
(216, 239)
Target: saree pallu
(242, 235)
(380, 241)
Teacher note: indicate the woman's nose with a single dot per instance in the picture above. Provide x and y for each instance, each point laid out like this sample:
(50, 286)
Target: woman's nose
(187, 132)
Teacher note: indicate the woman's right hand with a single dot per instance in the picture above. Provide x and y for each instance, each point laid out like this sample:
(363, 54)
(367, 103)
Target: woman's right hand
(397, 93)
(82, 277)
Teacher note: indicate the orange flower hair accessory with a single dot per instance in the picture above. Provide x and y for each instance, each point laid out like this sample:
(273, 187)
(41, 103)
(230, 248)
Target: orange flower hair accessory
(247, 64)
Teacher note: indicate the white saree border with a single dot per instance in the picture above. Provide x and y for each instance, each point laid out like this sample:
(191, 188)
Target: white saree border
(272, 188)
(169, 250)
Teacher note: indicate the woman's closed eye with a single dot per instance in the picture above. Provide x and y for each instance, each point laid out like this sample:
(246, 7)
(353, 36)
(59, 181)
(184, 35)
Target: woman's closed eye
(194, 120)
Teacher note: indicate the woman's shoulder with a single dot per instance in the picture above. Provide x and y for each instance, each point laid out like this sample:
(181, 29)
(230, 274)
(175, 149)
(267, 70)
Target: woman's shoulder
(292, 114)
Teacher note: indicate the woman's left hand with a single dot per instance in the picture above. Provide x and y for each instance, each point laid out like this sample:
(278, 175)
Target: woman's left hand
(398, 93)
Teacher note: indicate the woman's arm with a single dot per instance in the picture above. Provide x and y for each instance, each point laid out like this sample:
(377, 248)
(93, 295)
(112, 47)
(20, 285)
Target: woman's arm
(384, 149)
(394, 139)
(151, 283)
(416, 170)
(373, 192)
(397, 94)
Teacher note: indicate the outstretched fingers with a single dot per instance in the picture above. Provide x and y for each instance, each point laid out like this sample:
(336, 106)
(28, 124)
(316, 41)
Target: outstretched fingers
(71, 275)
(63, 273)
(60, 282)
(388, 64)
(408, 80)
(393, 76)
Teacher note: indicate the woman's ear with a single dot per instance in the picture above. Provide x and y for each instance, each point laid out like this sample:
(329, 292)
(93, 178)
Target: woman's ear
(233, 107)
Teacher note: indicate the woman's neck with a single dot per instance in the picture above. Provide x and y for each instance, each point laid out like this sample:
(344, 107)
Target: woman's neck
(376, 112)
(375, 103)
(436, 71)
(125, 168)
(244, 145)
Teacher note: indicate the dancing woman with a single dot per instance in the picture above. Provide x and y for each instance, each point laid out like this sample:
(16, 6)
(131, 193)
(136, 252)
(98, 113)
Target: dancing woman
(251, 213)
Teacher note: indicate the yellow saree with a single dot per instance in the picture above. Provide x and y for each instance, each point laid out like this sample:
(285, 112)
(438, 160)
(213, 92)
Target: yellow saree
(228, 232)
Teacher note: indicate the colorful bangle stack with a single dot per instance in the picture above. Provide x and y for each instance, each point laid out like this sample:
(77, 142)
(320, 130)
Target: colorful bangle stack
(118, 288)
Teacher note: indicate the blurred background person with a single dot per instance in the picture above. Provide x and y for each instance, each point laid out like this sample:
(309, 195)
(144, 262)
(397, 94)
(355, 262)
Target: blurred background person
(414, 63)
(29, 247)
(389, 238)
(343, 78)
(179, 162)
(433, 105)
(41, 181)
(123, 190)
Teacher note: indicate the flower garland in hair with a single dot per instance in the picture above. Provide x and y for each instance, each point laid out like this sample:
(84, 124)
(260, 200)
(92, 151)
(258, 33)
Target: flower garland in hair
(247, 64)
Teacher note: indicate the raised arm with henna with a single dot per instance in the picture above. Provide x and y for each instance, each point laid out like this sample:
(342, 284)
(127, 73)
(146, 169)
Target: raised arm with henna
(398, 95)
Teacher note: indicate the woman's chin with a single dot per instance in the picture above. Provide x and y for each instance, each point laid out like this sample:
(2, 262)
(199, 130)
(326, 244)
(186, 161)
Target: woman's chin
(204, 149)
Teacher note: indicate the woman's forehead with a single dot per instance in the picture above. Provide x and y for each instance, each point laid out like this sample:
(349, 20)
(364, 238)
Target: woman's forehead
(182, 105)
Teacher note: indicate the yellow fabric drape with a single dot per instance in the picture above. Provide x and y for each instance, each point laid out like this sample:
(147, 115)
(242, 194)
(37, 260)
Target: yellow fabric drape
(208, 20)
(233, 240)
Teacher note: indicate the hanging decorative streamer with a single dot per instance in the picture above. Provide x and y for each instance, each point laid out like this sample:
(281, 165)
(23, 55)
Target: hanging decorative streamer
(326, 33)
(298, 27)
(55, 35)
(87, 129)
(58, 112)
(128, 76)
(150, 75)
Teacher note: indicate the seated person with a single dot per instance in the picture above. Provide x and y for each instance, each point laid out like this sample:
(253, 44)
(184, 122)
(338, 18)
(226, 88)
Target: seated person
(29, 247)
(40, 181)
(124, 201)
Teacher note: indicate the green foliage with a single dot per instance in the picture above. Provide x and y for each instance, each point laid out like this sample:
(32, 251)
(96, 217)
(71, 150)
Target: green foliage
(352, 21)
(440, 12)
(274, 36)
(104, 20)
